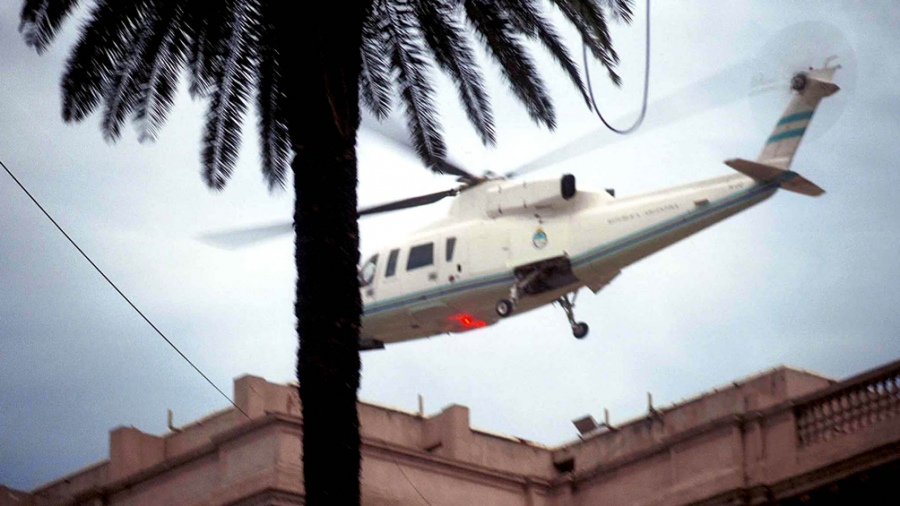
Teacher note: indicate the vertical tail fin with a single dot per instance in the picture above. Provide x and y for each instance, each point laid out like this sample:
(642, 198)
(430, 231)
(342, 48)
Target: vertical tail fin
(810, 87)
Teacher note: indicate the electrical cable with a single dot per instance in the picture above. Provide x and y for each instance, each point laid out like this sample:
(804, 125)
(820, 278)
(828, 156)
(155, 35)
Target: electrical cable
(116, 288)
(587, 75)
(411, 483)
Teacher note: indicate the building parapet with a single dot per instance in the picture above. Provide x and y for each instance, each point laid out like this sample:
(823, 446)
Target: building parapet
(767, 437)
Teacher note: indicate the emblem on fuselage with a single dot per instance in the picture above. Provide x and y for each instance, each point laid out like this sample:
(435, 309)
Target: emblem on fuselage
(539, 239)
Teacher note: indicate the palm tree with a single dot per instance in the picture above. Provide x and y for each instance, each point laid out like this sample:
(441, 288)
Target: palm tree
(307, 66)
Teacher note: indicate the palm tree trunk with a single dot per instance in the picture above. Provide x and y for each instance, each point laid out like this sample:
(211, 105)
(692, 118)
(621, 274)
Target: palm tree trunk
(328, 313)
(320, 43)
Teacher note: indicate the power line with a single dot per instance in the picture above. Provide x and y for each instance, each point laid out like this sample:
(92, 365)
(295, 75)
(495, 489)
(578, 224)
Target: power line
(411, 483)
(116, 288)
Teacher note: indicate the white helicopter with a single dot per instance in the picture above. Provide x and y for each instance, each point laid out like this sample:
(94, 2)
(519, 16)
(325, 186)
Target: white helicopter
(509, 246)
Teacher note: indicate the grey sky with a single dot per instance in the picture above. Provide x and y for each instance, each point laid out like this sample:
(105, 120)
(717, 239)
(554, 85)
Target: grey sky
(807, 282)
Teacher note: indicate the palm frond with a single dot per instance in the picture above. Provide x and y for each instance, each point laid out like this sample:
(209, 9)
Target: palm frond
(121, 92)
(445, 36)
(588, 18)
(111, 28)
(495, 28)
(274, 142)
(375, 75)
(199, 85)
(207, 24)
(526, 16)
(222, 134)
(409, 61)
(164, 61)
(620, 10)
(130, 55)
(41, 19)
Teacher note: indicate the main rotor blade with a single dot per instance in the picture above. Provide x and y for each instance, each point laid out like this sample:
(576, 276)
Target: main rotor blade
(421, 200)
(722, 88)
(239, 238)
(396, 135)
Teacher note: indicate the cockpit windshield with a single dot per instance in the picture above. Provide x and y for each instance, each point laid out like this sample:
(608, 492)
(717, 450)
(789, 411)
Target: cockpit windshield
(367, 271)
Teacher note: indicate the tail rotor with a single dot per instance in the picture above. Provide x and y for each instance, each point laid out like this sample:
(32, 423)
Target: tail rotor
(783, 66)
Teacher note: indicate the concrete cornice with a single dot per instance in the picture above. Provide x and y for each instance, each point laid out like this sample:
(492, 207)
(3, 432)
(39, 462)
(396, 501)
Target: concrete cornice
(370, 446)
(453, 468)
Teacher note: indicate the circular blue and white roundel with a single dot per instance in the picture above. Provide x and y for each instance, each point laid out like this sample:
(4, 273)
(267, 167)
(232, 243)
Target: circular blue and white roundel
(539, 239)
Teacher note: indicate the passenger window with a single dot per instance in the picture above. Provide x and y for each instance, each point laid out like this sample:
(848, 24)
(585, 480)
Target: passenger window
(392, 263)
(420, 256)
(451, 245)
(367, 271)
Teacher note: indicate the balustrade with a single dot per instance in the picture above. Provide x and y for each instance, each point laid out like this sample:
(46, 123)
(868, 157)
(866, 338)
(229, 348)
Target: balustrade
(849, 409)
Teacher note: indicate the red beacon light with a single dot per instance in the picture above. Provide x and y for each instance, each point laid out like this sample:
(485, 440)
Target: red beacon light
(468, 321)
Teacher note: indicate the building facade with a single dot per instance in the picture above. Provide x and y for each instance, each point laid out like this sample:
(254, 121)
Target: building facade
(781, 437)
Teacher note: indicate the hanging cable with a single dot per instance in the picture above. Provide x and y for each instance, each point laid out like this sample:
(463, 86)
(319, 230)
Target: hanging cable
(116, 288)
(587, 75)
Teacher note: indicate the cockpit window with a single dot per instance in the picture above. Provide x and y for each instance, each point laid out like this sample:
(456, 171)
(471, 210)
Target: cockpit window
(451, 245)
(391, 263)
(367, 271)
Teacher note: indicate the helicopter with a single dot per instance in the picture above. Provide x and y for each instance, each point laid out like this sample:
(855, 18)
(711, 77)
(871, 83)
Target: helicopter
(509, 246)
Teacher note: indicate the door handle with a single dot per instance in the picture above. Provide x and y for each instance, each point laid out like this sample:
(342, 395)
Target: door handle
(432, 276)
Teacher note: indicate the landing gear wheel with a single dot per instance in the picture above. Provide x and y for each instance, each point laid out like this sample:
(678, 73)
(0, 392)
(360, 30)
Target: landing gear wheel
(579, 330)
(504, 307)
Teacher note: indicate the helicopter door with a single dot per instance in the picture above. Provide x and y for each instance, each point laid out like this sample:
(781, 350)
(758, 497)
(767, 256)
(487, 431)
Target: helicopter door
(452, 262)
(420, 271)
(421, 279)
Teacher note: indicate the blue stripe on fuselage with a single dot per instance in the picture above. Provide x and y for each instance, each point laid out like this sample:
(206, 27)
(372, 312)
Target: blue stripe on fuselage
(471, 284)
(590, 256)
(800, 116)
(796, 132)
(669, 225)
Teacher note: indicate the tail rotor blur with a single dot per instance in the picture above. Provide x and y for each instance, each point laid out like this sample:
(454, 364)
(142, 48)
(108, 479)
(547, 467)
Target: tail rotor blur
(786, 56)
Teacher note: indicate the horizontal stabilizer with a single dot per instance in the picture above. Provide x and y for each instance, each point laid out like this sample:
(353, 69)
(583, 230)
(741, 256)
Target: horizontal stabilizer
(788, 180)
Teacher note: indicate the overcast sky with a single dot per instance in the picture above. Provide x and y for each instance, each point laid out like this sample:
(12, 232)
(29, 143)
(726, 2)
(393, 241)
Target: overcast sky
(812, 283)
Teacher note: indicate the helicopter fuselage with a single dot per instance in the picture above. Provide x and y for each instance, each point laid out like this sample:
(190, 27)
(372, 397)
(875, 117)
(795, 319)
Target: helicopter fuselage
(508, 247)
(448, 277)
